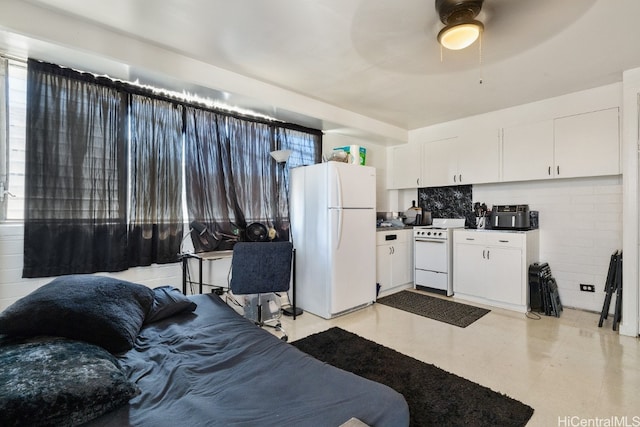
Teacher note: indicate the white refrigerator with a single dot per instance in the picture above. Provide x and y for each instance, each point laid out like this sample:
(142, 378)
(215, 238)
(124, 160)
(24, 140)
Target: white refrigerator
(333, 224)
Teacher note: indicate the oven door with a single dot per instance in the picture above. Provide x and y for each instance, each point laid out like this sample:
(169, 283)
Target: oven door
(431, 255)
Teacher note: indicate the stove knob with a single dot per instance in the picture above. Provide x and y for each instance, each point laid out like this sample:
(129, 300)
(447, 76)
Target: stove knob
(428, 233)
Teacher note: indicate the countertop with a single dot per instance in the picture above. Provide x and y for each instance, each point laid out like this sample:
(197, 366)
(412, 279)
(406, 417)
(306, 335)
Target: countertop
(480, 230)
(405, 227)
(489, 230)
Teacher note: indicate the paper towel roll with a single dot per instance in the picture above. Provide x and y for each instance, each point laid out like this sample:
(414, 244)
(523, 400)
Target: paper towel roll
(354, 150)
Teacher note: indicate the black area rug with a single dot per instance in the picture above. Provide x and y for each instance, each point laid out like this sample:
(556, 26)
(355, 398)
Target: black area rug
(450, 312)
(435, 397)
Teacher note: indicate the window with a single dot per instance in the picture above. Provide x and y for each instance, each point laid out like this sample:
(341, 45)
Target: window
(69, 134)
(12, 140)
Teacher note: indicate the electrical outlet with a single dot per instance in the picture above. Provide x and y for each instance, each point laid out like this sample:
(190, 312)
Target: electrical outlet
(587, 288)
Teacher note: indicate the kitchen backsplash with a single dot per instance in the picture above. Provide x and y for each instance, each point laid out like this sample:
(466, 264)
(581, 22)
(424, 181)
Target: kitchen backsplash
(447, 202)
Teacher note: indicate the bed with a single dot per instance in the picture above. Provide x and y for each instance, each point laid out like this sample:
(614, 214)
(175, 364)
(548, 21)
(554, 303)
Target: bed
(198, 362)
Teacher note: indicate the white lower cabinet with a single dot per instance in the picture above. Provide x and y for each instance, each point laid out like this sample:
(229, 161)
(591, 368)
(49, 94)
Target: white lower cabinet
(394, 258)
(491, 267)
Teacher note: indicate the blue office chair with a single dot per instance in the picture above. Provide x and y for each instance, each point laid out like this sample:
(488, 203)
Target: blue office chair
(260, 268)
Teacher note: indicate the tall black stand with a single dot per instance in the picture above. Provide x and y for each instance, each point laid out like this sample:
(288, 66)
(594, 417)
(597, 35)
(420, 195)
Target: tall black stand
(613, 285)
(292, 310)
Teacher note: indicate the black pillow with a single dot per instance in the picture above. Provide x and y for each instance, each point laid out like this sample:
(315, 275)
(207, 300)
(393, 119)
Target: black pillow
(101, 310)
(56, 381)
(168, 301)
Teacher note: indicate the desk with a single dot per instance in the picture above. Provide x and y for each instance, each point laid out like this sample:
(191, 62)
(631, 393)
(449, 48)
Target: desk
(202, 256)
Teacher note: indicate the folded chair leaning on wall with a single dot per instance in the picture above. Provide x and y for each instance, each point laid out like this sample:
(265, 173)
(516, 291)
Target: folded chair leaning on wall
(261, 268)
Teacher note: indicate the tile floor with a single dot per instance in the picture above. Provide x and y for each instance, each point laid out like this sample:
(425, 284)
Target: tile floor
(569, 370)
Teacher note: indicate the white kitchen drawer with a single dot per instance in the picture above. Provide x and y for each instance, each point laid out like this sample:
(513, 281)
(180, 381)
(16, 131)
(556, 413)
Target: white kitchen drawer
(507, 240)
(431, 279)
(470, 237)
(490, 238)
(387, 237)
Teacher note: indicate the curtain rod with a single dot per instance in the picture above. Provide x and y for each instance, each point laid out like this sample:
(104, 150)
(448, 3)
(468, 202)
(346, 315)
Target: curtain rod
(157, 93)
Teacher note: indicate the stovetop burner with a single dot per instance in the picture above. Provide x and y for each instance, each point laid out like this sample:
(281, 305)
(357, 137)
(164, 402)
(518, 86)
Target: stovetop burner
(440, 229)
(446, 223)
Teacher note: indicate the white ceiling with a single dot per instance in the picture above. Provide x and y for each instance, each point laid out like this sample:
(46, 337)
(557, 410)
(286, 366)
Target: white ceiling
(380, 58)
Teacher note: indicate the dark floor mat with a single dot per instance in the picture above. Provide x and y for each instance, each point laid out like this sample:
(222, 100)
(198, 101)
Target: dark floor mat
(440, 309)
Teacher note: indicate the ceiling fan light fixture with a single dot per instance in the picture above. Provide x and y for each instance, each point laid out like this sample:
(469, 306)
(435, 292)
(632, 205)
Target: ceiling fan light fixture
(460, 35)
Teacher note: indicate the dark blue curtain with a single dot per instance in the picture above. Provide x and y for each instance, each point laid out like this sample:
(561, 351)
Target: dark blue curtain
(90, 208)
(155, 213)
(75, 174)
(231, 178)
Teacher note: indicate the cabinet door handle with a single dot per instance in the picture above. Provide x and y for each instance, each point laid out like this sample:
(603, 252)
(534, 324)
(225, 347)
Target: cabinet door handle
(418, 181)
(469, 238)
(484, 254)
(549, 171)
(503, 241)
(488, 252)
(454, 178)
(460, 178)
(558, 169)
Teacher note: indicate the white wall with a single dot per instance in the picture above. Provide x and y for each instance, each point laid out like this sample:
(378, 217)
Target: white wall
(13, 286)
(29, 30)
(580, 227)
(599, 98)
(580, 219)
(376, 157)
(631, 240)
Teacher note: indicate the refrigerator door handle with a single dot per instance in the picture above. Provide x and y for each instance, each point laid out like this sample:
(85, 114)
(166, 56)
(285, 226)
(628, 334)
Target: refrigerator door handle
(338, 228)
(338, 189)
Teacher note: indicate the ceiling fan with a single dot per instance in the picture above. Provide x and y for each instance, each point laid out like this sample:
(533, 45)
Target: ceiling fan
(461, 27)
(403, 37)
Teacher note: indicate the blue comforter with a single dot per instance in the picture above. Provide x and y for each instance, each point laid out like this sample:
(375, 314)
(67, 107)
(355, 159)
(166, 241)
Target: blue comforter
(213, 367)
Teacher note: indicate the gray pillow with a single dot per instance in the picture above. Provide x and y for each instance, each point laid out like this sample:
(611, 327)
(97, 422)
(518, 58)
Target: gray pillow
(168, 301)
(56, 381)
(101, 310)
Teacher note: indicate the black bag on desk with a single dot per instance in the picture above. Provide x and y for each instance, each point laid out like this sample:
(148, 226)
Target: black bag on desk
(543, 290)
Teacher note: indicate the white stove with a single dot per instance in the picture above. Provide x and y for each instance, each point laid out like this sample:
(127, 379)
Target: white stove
(430, 233)
(433, 255)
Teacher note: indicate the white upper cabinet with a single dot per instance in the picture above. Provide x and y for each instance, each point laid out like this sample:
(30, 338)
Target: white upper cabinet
(472, 158)
(569, 137)
(440, 162)
(405, 168)
(479, 157)
(587, 144)
(527, 152)
(568, 147)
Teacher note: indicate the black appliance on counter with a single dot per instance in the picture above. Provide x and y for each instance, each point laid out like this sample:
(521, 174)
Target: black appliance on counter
(510, 217)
